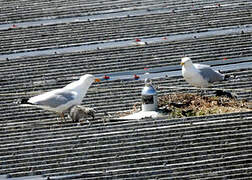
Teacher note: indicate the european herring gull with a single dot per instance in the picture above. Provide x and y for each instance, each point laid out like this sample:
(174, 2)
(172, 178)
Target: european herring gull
(61, 100)
(199, 75)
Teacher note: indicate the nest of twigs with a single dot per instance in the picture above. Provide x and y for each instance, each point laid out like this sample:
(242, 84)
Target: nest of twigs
(185, 105)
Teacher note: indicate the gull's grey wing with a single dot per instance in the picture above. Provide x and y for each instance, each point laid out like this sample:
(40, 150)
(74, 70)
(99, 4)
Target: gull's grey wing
(209, 74)
(55, 100)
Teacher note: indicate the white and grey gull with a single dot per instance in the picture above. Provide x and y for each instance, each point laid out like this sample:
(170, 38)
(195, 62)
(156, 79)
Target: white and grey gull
(200, 75)
(61, 100)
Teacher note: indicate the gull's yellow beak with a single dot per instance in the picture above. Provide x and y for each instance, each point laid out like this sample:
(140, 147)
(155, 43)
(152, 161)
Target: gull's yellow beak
(182, 64)
(97, 80)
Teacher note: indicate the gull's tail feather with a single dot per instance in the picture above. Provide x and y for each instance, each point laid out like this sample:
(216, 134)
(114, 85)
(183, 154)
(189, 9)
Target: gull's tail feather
(23, 102)
(221, 93)
(228, 77)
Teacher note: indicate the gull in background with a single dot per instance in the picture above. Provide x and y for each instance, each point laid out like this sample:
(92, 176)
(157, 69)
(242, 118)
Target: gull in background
(199, 75)
(61, 100)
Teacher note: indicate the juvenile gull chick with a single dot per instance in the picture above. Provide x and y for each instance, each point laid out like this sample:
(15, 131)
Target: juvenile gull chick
(60, 100)
(78, 112)
(199, 75)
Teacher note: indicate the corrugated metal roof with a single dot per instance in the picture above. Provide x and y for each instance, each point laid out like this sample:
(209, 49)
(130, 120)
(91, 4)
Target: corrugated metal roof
(191, 147)
(34, 145)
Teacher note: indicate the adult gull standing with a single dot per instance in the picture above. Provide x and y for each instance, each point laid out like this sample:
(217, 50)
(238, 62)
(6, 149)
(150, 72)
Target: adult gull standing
(199, 75)
(61, 100)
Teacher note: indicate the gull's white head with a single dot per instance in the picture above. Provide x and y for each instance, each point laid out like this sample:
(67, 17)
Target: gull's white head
(89, 78)
(185, 61)
(83, 83)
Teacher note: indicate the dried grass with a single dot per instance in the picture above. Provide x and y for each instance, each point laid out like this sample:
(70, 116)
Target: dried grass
(185, 105)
